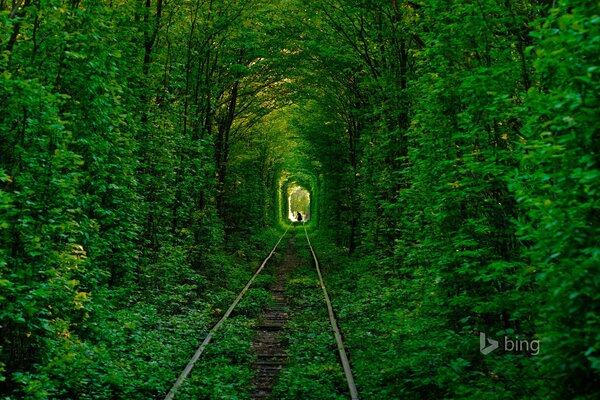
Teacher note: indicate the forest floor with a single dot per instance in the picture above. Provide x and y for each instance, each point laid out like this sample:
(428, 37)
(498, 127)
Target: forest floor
(269, 343)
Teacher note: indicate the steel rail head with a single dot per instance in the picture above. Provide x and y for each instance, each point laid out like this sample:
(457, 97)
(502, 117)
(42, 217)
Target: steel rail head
(334, 326)
(215, 328)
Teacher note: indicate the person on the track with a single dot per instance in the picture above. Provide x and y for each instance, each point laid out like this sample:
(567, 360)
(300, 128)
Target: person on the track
(299, 217)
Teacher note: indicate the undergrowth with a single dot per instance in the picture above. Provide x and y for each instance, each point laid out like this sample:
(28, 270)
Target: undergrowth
(399, 344)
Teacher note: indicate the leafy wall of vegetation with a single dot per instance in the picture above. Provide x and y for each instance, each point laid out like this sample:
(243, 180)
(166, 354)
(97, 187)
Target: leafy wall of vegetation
(465, 166)
(126, 159)
(451, 148)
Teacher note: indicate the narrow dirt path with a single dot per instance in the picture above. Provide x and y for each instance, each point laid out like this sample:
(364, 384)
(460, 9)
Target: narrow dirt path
(269, 343)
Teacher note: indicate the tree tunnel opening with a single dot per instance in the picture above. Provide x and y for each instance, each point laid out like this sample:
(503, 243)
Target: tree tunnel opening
(297, 192)
(298, 203)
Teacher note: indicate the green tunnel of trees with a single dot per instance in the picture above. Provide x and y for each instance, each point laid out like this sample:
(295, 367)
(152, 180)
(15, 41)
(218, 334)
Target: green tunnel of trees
(450, 148)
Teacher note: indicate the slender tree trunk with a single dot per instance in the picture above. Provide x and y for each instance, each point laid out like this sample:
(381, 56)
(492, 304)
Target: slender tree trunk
(222, 151)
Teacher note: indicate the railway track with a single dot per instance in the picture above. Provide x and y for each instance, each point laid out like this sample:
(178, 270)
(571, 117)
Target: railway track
(336, 329)
(269, 344)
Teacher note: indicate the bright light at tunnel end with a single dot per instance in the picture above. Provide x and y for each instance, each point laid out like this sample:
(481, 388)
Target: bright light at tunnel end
(298, 203)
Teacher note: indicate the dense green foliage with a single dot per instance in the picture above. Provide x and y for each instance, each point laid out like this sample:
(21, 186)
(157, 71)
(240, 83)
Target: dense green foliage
(450, 149)
(116, 119)
(469, 193)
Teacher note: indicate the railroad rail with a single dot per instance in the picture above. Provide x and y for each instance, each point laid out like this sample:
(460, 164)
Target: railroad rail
(217, 326)
(332, 319)
(336, 329)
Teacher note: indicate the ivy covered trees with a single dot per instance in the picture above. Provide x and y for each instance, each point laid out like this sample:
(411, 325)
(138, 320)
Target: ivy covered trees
(115, 134)
(557, 188)
(472, 140)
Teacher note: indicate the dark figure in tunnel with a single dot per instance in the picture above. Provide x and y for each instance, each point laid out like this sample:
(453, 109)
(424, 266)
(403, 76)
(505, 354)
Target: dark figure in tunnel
(299, 217)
